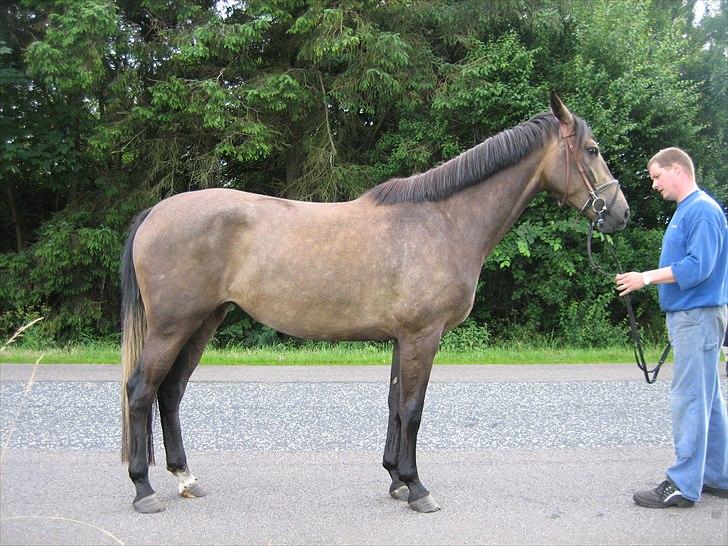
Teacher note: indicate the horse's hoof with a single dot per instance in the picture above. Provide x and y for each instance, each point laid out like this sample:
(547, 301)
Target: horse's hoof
(425, 504)
(195, 489)
(149, 505)
(401, 492)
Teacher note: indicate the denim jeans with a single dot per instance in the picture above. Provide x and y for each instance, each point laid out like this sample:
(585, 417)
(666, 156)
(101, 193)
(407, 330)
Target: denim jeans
(699, 420)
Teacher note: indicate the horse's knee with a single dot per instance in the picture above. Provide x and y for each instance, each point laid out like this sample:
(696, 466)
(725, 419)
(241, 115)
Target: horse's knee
(139, 406)
(139, 395)
(135, 392)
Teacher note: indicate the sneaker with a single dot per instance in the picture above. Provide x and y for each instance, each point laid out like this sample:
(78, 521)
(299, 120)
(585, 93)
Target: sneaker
(664, 495)
(716, 491)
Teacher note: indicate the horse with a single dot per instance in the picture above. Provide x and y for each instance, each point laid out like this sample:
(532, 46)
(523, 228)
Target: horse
(398, 263)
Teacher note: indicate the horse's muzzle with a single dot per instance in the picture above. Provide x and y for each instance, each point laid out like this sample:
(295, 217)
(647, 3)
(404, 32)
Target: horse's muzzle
(609, 223)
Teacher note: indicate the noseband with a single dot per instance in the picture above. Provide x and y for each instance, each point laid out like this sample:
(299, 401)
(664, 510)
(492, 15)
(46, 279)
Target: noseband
(598, 203)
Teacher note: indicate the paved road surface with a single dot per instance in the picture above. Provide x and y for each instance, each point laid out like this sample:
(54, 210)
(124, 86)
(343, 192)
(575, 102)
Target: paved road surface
(513, 454)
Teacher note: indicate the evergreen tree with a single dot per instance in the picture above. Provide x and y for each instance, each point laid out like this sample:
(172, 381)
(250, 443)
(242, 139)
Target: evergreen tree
(110, 106)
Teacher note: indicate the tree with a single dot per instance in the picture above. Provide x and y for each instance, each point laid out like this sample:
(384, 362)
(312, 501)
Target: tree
(109, 107)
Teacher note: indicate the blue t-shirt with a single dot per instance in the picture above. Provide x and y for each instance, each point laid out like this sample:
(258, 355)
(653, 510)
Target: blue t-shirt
(695, 245)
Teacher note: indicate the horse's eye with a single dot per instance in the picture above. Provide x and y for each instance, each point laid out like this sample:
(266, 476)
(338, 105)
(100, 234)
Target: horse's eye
(593, 151)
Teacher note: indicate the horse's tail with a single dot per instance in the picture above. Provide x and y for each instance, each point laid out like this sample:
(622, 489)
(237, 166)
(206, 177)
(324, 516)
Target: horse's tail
(134, 327)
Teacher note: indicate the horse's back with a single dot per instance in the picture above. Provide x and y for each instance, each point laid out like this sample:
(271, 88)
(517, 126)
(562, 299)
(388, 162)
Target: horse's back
(273, 257)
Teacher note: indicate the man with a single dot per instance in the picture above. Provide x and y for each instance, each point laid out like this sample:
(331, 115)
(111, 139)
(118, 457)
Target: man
(692, 283)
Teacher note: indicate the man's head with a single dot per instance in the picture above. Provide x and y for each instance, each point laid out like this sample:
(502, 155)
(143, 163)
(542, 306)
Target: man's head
(672, 173)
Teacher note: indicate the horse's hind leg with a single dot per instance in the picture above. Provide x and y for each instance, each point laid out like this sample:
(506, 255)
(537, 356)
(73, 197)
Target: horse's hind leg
(157, 357)
(397, 489)
(170, 395)
(417, 352)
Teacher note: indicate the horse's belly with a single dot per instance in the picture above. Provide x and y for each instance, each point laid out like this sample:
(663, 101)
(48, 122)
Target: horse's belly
(352, 310)
(325, 318)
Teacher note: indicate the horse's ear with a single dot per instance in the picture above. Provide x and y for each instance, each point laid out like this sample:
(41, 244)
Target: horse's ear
(559, 110)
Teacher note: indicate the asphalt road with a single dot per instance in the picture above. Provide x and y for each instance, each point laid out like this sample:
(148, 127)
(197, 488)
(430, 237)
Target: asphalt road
(292, 455)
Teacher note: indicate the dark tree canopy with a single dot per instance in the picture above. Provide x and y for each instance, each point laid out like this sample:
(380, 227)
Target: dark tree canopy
(109, 106)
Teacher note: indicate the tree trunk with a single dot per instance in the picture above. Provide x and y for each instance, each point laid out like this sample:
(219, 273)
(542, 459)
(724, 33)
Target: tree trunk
(294, 169)
(19, 235)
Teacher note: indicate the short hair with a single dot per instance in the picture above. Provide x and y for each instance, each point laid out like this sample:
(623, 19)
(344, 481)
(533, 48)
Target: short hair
(669, 156)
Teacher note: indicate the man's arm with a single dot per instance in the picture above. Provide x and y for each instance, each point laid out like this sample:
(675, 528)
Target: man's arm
(629, 282)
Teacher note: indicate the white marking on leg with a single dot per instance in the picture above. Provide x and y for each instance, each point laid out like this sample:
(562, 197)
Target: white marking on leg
(186, 479)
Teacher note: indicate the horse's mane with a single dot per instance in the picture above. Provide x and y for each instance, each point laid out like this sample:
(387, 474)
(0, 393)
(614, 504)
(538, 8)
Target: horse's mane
(476, 164)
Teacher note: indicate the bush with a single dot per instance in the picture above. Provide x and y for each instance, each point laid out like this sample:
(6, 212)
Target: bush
(34, 337)
(238, 329)
(586, 323)
(469, 336)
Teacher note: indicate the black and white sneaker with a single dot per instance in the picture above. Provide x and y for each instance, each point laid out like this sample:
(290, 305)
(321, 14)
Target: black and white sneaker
(715, 491)
(664, 495)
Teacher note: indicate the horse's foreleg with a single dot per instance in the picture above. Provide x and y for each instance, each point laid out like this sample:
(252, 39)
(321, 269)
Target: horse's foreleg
(398, 489)
(170, 395)
(416, 355)
(156, 359)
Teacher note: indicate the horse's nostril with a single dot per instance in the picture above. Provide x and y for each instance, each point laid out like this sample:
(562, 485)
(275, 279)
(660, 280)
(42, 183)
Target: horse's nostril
(626, 215)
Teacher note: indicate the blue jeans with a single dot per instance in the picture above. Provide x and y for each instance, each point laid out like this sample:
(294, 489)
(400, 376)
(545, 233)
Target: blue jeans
(699, 420)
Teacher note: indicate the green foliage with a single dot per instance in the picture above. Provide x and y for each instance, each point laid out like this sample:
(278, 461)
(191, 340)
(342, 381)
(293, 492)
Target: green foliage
(469, 336)
(107, 107)
(586, 323)
(68, 277)
(491, 88)
(239, 330)
(34, 337)
(71, 55)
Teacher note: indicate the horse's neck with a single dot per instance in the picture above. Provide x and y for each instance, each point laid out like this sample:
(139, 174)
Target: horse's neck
(487, 210)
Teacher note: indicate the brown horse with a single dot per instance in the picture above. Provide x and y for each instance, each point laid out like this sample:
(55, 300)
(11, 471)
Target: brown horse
(399, 263)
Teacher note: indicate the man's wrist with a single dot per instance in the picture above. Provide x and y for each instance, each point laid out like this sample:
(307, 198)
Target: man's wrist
(646, 279)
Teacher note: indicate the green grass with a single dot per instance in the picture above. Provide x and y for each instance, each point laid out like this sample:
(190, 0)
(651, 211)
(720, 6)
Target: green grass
(341, 353)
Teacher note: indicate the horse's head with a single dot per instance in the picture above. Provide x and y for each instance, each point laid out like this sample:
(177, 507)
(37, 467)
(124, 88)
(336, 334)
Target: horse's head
(575, 172)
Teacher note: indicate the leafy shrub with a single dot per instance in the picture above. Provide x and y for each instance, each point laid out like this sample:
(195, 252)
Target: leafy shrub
(586, 323)
(238, 329)
(469, 336)
(18, 325)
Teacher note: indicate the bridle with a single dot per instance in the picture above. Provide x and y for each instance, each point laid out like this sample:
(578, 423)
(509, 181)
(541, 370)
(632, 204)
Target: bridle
(598, 203)
(600, 207)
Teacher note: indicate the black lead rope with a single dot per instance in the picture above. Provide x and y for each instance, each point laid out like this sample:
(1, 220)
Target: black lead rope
(650, 374)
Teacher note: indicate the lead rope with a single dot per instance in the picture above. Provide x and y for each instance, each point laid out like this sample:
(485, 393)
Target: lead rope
(650, 374)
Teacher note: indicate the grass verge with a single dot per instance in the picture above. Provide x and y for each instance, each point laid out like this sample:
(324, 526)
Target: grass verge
(340, 353)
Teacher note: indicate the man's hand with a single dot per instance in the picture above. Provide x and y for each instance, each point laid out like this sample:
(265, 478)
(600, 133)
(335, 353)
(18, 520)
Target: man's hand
(629, 282)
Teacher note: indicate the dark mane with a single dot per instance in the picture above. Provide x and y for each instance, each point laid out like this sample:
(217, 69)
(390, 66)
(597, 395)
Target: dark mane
(476, 164)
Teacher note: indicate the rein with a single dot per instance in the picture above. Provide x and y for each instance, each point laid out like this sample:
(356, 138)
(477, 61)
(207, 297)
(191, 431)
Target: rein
(650, 374)
(599, 206)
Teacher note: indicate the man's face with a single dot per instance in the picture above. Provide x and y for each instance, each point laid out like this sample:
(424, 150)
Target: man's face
(665, 180)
